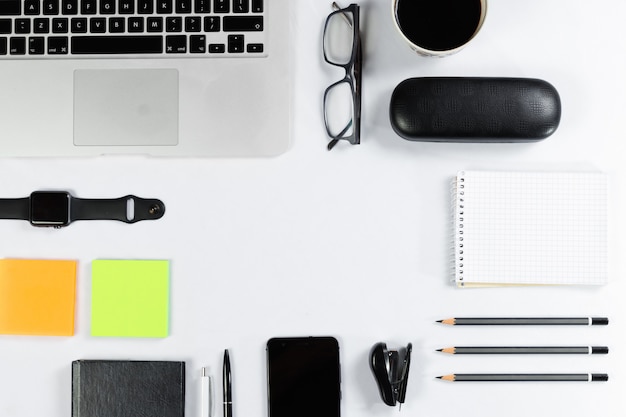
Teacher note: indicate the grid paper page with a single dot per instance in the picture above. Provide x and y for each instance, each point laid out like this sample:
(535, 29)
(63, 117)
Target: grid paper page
(531, 228)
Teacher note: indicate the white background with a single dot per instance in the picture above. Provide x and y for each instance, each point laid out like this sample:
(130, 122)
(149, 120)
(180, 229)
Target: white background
(354, 243)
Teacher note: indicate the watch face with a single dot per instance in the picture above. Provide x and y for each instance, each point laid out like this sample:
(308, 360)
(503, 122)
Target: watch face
(50, 208)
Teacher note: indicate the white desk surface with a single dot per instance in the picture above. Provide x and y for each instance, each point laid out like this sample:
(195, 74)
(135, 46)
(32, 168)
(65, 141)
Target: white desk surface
(355, 242)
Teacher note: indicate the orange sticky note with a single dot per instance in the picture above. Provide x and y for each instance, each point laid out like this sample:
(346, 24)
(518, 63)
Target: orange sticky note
(37, 297)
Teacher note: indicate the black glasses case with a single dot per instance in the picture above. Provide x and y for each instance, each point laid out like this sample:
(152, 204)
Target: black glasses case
(467, 109)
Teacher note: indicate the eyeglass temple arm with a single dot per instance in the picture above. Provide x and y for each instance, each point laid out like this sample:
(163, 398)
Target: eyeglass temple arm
(337, 8)
(335, 140)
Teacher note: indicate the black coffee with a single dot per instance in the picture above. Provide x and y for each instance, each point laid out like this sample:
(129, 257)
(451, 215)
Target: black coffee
(438, 25)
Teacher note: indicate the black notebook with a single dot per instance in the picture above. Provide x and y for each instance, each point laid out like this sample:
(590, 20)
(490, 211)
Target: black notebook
(104, 388)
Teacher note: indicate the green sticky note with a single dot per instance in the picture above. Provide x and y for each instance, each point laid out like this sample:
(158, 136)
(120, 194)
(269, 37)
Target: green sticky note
(130, 298)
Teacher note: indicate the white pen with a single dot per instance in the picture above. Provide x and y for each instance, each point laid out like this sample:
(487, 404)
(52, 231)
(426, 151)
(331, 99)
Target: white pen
(206, 395)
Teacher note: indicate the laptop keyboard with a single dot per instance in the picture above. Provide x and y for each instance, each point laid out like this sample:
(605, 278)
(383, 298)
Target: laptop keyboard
(131, 28)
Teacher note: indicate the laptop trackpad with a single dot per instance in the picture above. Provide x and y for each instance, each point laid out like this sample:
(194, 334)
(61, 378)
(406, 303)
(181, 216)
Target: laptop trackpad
(136, 107)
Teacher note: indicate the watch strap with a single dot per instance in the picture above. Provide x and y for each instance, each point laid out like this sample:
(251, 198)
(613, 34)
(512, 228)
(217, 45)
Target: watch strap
(15, 208)
(128, 209)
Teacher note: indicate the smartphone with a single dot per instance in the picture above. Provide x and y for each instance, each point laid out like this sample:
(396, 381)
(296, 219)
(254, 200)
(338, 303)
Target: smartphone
(304, 377)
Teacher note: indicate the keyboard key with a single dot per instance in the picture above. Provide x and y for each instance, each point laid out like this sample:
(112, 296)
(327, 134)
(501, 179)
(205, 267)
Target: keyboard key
(107, 6)
(135, 24)
(174, 24)
(69, 6)
(17, 46)
(255, 48)
(155, 24)
(183, 6)
(3, 46)
(197, 44)
(79, 25)
(241, 6)
(50, 7)
(221, 6)
(145, 6)
(257, 6)
(117, 25)
(192, 24)
(10, 7)
(243, 23)
(22, 26)
(60, 25)
(212, 24)
(202, 6)
(41, 25)
(165, 6)
(88, 6)
(117, 44)
(36, 45)
(126, 7)
(97, 25)
(176, 44)
(235, 44)
(32, 7)
(5, 26)
(217, 48)
(57, 45)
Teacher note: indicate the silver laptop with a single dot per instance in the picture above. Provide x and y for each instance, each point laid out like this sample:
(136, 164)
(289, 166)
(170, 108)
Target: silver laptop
(154, 77)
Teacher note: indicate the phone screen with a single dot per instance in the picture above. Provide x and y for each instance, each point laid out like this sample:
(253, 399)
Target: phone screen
(303, 377)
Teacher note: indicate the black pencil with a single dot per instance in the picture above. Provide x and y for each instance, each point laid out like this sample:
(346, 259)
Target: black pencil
(583, 350)
(569, 321)
(524, 377)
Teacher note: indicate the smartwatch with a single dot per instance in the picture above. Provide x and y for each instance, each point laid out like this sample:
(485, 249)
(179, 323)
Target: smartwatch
(59, 209)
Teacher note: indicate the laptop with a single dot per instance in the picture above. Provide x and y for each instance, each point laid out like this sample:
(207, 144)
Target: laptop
(155, 77)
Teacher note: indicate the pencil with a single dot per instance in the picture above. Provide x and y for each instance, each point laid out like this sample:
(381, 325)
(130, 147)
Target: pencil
(569, 321)
(583, 350)
(524, 377)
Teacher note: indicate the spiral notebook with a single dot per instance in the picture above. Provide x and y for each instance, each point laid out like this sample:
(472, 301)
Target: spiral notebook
(530, 228)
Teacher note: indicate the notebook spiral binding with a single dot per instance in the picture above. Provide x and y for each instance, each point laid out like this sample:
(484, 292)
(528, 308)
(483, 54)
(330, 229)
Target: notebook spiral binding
(451, 234)
(459, 215)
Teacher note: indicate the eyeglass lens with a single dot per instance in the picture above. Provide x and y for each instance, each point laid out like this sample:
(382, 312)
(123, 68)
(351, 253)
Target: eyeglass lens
(339, 38)
(339, 109)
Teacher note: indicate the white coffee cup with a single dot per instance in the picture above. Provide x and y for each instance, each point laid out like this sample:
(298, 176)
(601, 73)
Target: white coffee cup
(438, 28)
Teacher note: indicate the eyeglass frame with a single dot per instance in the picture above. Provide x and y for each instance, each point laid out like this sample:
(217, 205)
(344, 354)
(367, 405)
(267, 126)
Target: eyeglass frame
(352, 77)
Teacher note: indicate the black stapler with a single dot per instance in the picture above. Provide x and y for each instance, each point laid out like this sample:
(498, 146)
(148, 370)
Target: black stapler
(391, 371)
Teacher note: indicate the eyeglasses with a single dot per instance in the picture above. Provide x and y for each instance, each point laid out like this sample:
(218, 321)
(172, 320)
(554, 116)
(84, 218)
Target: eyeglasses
(342, 100)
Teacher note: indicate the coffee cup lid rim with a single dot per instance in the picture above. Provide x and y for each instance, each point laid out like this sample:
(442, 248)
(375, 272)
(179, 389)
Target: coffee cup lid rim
(433, 52)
